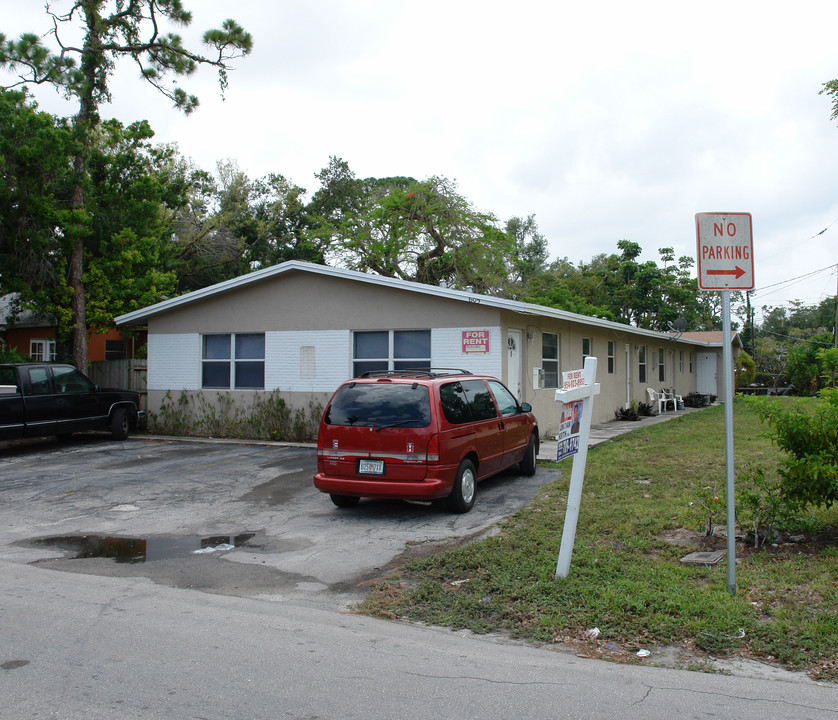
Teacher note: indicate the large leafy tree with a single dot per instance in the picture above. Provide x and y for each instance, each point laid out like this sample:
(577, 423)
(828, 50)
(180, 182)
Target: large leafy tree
(135, 187)
(231, 225)
(791, 344)
(831, 90)
(419, 230)
(111, 29)
(621, 287)
(35, 188)
(529, 254)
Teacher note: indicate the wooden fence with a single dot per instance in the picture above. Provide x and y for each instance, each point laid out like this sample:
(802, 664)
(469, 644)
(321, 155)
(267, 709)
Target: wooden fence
(123, 374)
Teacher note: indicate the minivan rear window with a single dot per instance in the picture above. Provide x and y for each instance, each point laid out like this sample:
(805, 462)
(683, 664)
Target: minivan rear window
(380, 405)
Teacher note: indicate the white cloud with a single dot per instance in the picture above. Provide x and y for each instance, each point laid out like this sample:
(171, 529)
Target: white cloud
(607, 120)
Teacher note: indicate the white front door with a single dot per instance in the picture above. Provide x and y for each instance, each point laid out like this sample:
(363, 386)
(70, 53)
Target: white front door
(707, 376)
(513, 363)
(628, 374)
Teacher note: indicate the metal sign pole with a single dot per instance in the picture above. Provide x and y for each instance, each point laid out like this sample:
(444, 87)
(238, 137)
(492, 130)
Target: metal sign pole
(725, 254)
(730, 492)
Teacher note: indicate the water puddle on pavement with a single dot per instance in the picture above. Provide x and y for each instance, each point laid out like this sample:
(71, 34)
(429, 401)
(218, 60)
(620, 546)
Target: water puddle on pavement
(138, 550)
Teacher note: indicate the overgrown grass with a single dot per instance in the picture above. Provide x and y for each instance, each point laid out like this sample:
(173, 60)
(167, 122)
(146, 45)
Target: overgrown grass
(641, 491)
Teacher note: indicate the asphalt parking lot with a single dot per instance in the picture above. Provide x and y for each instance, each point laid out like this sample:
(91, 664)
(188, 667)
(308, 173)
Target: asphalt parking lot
(227, 518)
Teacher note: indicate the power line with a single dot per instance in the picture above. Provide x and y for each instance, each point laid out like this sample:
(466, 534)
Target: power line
(799, 277)
(761, 331)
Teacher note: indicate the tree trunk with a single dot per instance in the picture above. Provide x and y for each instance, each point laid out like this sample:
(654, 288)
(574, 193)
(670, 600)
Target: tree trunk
(78, 307)
(85, 119)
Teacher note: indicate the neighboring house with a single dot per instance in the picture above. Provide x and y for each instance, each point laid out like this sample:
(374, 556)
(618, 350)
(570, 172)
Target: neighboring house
(302, 329)
(34, 335)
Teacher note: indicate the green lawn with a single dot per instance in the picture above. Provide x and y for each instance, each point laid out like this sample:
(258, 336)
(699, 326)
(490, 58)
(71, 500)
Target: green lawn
(644, 493)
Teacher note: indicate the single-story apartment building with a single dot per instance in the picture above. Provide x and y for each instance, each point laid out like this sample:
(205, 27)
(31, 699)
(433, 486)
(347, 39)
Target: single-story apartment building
(302, 329)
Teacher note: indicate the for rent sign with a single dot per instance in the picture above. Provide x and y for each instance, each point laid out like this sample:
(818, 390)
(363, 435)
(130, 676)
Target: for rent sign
(475, 341)
(725, 251)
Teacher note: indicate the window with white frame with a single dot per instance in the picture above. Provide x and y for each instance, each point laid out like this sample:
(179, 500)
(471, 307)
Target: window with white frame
(661, 365)
(42, 350)
(691, 362)
(586, 348)
(390, 350)
(550, 359)
(233, 360)
(681, 361)
(611, 358)
(641, 363)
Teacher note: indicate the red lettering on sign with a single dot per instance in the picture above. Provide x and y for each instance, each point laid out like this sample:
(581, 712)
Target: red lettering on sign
(725, 252)
(722, 229)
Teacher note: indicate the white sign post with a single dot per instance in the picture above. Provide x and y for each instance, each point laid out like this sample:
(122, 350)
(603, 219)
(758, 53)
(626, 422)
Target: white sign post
(725, 255)
(577, 386)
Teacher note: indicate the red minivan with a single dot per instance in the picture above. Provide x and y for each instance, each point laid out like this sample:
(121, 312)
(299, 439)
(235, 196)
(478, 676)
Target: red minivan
(421, 435)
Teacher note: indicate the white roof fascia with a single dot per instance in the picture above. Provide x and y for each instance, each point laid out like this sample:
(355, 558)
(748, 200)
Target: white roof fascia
(138, 316)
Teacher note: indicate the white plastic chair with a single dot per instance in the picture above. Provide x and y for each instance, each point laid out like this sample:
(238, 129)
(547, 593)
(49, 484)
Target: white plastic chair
(661, 399)
(671, 396)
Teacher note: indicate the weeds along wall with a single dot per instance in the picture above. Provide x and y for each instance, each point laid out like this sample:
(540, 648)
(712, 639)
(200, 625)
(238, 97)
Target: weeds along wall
(266, 416)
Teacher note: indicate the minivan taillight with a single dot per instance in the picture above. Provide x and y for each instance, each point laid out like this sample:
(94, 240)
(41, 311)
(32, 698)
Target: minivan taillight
(433, 449)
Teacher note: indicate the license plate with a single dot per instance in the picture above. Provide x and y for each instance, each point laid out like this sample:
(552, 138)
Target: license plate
(371, 467)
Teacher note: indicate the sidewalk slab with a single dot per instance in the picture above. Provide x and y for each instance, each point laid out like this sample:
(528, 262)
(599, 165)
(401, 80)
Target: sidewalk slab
(608, 430)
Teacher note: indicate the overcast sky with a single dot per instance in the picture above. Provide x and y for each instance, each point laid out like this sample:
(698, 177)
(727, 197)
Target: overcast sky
(607, 120)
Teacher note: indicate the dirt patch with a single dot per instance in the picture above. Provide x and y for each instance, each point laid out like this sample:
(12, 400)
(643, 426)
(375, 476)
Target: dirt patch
(783, 545)
(413, 551)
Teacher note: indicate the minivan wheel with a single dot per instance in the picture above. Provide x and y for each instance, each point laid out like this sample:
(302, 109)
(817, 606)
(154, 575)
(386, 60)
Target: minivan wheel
(345, 501)
(461, 499)
(527, 465)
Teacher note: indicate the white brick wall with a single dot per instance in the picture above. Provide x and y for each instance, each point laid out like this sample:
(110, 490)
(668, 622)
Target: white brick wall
(287, 365)
(446, 348)
(174, 362)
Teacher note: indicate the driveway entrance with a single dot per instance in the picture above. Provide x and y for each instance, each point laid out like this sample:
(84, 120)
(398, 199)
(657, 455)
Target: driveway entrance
(226, 518)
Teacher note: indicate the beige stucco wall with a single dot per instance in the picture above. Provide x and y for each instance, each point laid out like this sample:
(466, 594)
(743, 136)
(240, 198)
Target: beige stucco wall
(613, 388)
(304, 301)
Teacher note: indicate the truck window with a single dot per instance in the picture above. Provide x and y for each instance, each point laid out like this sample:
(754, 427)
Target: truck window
(38, 381)
(68, 379)
(8, 376)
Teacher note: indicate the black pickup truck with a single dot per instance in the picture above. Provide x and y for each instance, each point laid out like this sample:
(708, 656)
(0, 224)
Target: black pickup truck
(52, 399)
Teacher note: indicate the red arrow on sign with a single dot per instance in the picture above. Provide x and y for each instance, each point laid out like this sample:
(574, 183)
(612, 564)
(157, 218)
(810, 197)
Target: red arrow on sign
(739, 272)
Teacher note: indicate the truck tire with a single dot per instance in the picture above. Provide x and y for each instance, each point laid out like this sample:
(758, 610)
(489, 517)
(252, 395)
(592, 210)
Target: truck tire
(119, 424)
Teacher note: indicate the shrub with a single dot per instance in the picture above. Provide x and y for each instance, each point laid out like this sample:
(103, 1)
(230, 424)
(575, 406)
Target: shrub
(645, 409)
(13, 356)
(628, 413)
(696, 400)
(267, 417)
(809, 436)
(760, 505)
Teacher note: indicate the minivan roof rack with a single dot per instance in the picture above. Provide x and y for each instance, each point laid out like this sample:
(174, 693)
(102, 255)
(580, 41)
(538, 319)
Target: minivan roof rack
(415, 372)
